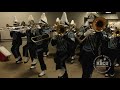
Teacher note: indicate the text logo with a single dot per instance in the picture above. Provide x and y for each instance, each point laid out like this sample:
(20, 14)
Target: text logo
(102, 63)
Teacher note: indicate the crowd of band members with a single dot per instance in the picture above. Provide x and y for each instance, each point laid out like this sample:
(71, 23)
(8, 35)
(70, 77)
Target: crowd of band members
(66, 40)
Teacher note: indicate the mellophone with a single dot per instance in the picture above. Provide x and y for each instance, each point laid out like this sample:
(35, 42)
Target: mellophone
(40, 38)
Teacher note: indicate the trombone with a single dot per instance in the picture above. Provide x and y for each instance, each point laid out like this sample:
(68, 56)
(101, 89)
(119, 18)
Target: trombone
(17, 29)
(98, 25)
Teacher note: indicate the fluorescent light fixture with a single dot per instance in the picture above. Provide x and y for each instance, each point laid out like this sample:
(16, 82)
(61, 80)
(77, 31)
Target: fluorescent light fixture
(107, 12)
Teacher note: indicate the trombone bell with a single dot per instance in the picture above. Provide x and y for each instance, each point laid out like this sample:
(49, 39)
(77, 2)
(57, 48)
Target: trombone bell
(99, 24)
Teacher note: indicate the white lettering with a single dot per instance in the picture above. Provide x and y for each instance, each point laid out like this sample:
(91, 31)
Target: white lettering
(102, 63)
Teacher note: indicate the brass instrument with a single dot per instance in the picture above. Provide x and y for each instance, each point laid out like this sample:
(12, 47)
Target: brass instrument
(99, 24)
(60, 30)
(38, 39)
(17, 29)
(56, 27)
(116, 33)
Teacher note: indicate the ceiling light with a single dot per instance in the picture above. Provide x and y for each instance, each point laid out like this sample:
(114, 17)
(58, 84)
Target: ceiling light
(107, 12)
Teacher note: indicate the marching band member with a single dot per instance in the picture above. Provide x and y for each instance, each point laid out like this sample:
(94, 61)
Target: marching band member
(40, 45)
(62, 54)
(117, 61)
(71, 36)
(91, 42)
(16, 41)
(46, 29)
(30, 47)
(39, 51)
(112, 51)
(86, 55)
(56, 25)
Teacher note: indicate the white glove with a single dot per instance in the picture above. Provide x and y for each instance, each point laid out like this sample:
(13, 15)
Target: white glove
(22, 30)
(27, 28)
(105, 35)
(54, 35)
(13, 28)
(38, 27)
(89, 32)
(111, 36)
(75, 34)
(80, 33)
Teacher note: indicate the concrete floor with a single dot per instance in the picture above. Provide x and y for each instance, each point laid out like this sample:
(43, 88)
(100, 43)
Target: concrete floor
(11, 70)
